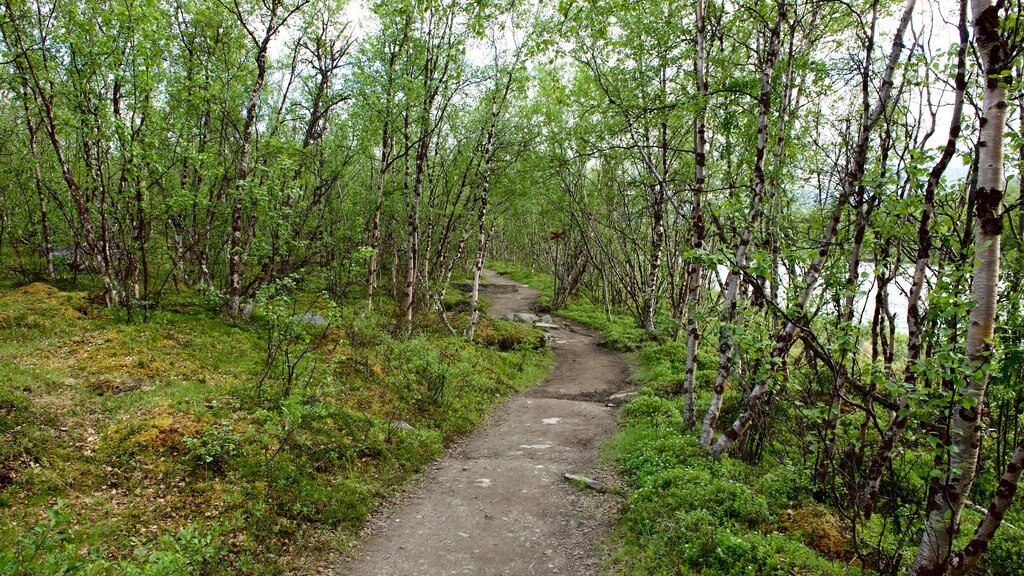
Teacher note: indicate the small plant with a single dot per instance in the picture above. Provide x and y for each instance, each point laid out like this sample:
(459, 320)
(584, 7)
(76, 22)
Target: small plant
(1005, 556)
(212, 450)
(45, 549)
(210, 297)
(293, 329)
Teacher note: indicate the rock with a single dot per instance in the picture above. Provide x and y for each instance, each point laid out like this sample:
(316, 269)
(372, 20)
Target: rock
(623, 395)
(311, 318)
(546, 319)
(525, 317)
(545, 325)
(589, 483)
(401, 425)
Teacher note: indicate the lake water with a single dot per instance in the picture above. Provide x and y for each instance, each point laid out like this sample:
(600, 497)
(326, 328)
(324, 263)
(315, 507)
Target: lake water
(864, 304)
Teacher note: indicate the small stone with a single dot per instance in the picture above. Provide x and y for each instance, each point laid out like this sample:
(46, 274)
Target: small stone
(623, 395)
(311, 318)
(525, 317)
(589, 483)
(401, 425)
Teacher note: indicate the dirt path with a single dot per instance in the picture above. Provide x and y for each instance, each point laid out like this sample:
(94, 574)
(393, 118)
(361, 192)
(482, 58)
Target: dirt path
(498, 504)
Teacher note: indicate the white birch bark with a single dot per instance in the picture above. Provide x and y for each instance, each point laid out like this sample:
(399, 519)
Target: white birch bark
(943, 521)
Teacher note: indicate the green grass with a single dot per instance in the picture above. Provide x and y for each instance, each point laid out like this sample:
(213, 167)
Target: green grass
(687, 514)
(131, 448)
(620, 330)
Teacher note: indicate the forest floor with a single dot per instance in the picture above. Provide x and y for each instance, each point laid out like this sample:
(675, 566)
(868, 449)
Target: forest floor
(499, 502)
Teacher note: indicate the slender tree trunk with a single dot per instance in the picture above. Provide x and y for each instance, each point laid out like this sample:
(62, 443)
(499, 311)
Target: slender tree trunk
(485, 190)
(378, 206)
(697, 219)
(944, 515)
(793, 327)
(914, 320)
(727, 345)
(97, 249)
(413, 242)
(965, 561)
(44, 219)
(657, 248)
(236, 252)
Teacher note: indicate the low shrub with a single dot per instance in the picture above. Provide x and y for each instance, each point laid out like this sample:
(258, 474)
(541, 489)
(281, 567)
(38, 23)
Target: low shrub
(1005, 555)
(687, 514)
(508, 336)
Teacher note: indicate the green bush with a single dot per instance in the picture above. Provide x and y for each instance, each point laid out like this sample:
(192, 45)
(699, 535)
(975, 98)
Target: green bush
(212, 450)
(652, 410)
(19, 434)
(50, 548)
(1005, 555)
(508, 336)
(687, 514)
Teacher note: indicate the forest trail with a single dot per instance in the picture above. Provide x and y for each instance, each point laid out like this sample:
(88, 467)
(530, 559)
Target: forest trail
(498, 503)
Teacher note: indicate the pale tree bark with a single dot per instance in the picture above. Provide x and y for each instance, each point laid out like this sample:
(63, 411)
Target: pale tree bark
(498, 101)
(236, 250)
(440, 42)
(41, 85)
(413, 223)
(794, 324)
(387, 159)
(965, 561)
(697, 220)
(914, 320)
(658, 202)
(44, 218)
(943, 521)
(485, 191)
(378, 207)
(646, 291)
(727, 345)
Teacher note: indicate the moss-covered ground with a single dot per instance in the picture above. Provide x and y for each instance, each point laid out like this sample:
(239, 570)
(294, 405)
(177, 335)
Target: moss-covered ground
(185, 445)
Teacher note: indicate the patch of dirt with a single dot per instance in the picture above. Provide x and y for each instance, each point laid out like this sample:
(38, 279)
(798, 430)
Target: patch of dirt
(115, 384)
(498, 503)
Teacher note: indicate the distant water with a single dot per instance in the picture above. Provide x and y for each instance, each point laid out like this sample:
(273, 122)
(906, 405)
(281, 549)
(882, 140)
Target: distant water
(864, 303)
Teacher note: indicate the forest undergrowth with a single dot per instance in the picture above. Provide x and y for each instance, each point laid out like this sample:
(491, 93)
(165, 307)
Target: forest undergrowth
(754, 512)
(192, 444)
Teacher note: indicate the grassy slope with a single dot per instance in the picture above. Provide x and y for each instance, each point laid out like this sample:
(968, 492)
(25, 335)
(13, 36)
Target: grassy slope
(686, 514)
(144, 448)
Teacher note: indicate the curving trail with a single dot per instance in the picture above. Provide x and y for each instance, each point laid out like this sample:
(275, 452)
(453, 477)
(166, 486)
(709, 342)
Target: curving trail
(498, 504)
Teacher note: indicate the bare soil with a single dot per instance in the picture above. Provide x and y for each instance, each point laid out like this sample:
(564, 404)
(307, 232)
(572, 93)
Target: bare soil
(498, 503)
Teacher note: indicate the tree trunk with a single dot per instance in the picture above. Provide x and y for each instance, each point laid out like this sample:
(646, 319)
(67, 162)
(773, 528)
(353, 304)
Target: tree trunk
(413, 222)
(236, 252)
(944, 511)
(792, 329)
(44, 219)
(727, 347)
(378, 206)
(697, 219)
(485, 190)
(965, 561)
(914, 328)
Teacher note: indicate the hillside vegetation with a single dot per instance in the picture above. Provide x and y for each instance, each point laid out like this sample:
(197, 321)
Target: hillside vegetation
(171, 447)
(231, 234)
